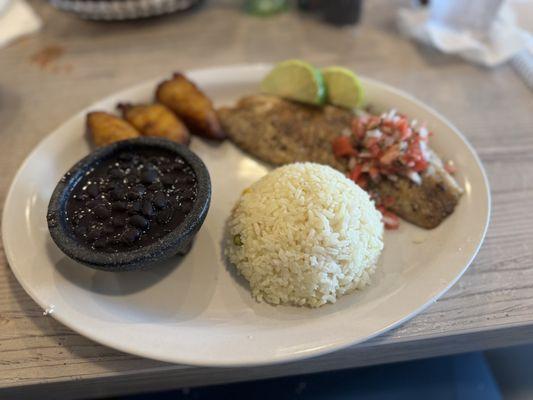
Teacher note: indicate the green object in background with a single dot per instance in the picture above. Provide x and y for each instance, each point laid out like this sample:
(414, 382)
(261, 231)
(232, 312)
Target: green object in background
(295, 80)
(265, 7)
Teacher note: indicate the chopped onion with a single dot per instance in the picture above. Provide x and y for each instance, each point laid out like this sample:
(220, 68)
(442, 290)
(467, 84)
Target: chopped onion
(375, 133)
(425, 151)
(415, 177)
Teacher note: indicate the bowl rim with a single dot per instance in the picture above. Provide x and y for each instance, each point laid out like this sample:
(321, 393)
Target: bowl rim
(163, 248)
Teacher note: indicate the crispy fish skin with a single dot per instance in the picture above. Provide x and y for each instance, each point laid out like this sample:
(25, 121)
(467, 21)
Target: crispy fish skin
(105, 128)
(278, 131)
(155, 120)
(191, 105)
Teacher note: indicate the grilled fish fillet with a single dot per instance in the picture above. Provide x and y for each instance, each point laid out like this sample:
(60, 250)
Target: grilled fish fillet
(279, 132)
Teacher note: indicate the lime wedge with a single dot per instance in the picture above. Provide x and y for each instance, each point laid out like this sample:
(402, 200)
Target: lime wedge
(343, 87)
(295, 80)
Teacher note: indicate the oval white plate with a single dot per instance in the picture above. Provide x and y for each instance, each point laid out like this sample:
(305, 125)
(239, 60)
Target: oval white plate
(199, 312)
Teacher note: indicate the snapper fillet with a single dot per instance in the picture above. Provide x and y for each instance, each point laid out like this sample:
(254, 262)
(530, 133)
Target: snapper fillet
(279, 132)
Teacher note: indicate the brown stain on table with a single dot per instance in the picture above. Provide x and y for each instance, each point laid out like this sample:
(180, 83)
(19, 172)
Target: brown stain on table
(48, 57)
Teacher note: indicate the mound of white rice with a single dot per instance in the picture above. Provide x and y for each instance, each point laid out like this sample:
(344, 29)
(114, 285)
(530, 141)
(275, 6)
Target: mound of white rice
(304, 234)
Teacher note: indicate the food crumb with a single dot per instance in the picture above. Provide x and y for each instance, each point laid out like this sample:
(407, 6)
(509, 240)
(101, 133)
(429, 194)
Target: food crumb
(418, 238)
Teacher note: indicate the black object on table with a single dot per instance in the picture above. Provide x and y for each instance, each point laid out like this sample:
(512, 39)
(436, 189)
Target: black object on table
(341, 12)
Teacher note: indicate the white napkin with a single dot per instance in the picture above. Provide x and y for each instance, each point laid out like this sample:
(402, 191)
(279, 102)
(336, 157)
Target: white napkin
(16, 19)
(503, 40)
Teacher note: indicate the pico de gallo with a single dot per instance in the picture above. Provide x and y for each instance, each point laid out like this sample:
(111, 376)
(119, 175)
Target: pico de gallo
(384, 147)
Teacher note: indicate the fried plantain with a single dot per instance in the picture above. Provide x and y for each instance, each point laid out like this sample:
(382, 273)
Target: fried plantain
(156, 120)
(105, 128)
(190, 104)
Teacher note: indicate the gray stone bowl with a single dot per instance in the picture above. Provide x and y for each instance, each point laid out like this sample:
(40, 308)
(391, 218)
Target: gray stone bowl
(178, 241)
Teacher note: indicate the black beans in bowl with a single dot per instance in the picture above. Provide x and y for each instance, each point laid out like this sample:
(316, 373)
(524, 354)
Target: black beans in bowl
(130, 204)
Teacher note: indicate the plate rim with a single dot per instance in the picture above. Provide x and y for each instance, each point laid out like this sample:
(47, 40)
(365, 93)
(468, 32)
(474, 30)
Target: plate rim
(275, 358)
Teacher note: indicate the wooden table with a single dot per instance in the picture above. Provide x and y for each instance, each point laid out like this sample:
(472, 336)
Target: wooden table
(48, 76)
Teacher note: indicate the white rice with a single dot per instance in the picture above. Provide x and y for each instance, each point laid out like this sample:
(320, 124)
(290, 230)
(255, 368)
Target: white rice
(304, 235)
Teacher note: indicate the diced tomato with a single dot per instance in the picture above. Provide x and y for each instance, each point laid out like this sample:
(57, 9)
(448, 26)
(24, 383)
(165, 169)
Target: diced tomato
(402, 125)
(390, 220)
(358, 128)
(414, 151)
(388, 201)
(362, 181)
(420, 165)
(371, 141)
(356, 172)
(386, 129)
(374, 173)
(342, 147)
(387, 124)
(373, 122)
(390, 155)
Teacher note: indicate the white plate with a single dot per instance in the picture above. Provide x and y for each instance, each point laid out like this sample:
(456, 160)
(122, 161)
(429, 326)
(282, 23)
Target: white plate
(199, 312)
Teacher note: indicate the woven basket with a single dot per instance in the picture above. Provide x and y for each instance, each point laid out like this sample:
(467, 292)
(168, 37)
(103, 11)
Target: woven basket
(113, 10)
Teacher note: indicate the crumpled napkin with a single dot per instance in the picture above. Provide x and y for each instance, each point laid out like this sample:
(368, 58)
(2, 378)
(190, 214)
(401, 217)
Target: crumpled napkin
(17, 18)
(502, 41)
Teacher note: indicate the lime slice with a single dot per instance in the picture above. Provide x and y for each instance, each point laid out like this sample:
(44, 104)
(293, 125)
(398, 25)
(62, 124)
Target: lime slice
(343, 87)
(295, 80)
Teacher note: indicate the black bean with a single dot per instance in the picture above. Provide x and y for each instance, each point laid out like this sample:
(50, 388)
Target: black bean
(94, 203)
(155, 186)
(108, 229)
(164, 216)
(186, 206)
(118, 192)
(133, 195)
(119, 221)
(160, 200)
(130, 235)
(134, 207)
(93, 234)
(93, 190)
(168, 180)
(116, 173)
(81, 230)
(141, 189)
(100, 243)
(147, 208)
(149, 175)
(102, 212)
(119, 206)
(139, 221)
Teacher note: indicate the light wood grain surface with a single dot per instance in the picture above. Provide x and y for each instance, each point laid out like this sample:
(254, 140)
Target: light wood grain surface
(492, 305)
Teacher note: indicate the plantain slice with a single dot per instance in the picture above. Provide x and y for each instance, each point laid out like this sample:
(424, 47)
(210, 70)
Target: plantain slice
(191, 105)
(105, 128)
(156, 120)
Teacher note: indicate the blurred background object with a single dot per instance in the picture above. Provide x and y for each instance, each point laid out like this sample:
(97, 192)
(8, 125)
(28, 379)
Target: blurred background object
(342, 12)
(485, 32)
(16, 19)
(265, 7)
(474, 15)
(112, 10)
